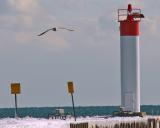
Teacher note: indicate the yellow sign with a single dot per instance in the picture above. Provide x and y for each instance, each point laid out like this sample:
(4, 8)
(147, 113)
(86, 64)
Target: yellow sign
(15, 88)
(70, 87)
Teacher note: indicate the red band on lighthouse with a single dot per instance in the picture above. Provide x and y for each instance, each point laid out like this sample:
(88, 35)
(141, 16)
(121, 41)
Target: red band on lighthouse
(129, 28)
(129, 24)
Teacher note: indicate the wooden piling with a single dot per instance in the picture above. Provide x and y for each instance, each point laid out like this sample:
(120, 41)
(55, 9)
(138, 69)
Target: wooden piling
(79, 125)
(144, 123)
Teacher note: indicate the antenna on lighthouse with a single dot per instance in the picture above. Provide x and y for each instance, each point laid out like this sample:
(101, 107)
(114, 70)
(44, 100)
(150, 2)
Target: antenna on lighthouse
(129, 7)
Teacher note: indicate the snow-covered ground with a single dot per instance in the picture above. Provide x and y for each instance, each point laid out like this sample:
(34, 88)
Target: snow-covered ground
(29, 122)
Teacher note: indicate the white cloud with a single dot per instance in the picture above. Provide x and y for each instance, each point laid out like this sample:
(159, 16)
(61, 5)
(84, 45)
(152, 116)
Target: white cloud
(53, 42)
(136, 3)
(16, 22)
(151, 25)
(24, 5)
(23, 11)
(26, 20)
(4, 21)
(23, 37)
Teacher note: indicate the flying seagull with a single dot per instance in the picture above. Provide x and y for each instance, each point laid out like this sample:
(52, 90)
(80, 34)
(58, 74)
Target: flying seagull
(54, 29)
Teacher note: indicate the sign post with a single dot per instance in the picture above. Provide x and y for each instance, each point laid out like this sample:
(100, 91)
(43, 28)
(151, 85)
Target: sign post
(15, 89)
(71, 91)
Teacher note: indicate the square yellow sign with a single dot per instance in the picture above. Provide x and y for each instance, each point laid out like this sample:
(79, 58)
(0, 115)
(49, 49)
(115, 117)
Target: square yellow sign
(70, 87)
(15, 88)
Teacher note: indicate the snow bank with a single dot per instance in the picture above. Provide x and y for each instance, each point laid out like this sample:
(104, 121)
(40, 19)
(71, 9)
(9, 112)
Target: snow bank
(29, 122)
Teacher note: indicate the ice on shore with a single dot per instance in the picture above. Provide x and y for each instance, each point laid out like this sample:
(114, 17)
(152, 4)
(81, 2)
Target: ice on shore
(29, 122)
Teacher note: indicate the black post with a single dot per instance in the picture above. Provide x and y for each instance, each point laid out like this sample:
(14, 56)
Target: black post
(73, 107)
(16, 106)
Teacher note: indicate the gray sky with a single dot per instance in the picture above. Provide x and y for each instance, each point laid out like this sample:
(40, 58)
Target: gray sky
(90, 56)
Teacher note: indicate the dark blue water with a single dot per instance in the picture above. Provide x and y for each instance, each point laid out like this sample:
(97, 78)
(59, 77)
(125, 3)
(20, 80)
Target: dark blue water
(43, 112)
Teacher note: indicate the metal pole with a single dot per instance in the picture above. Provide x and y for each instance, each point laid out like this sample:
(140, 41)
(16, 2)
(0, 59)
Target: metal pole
(73, 107)
(16, 106)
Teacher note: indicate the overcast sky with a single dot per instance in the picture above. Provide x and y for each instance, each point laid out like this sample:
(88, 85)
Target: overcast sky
(89, 56)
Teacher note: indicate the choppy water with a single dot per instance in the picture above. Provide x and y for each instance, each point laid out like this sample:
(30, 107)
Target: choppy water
(43, 112)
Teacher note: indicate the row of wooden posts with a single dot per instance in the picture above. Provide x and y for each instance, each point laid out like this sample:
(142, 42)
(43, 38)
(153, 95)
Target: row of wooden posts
(151, 123)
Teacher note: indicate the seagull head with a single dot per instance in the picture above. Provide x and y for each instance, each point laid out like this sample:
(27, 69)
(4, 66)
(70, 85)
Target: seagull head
(54, 29)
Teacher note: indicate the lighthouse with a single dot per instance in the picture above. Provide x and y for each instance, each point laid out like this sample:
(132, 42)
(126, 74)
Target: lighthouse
(129, 20)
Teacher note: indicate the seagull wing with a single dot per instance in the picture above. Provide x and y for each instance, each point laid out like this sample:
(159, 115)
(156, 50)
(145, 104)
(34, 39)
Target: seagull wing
(44, 32)
(65, 28)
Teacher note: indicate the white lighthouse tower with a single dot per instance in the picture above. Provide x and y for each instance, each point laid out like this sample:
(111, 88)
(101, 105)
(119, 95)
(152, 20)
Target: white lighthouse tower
(130, 61)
